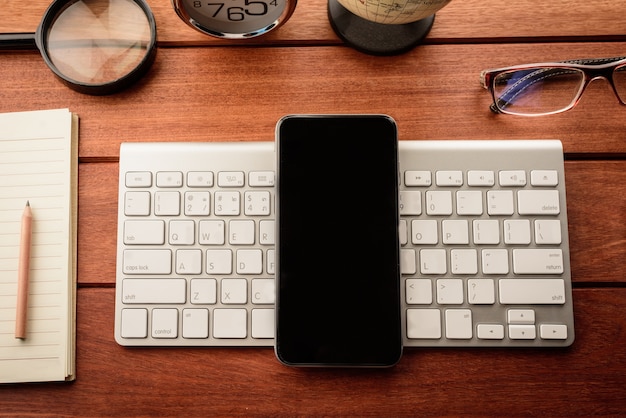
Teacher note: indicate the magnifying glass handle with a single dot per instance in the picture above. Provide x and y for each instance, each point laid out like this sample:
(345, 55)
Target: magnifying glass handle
(15, 41)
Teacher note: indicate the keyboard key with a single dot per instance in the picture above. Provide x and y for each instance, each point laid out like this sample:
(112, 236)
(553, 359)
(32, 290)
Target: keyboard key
(137, 203)
(261, 179)
(200, 179)
(548, 231)
(517, 231)
(167, 203)
(553, 331)
(234, 291)
(522, 332)
(424, 232)
(262, 323)
(532, 291)
(408, 261)
(410, 202)
(188, 262)
(257, 203)
(195, 323)
(449, 291)
(490, 331)
(481, 292)
(169, 179)
(230, 323)
(486, 231)
(241, 232)
(144, 232)
(151, 291)
(439, 202)
(455, 231)
(449, 178)
(459, 324)
(538, 202)
(500, 202)
(134, 323)
(219, 261)
(495, 261)
(203, 291)
(211, 232)
(480, 178)
(433, 261)
(227, 203)
(544, 178)
(230, 179)
(512, 178)
(263, 291)
(423, 323)
(469, 202)
(463, 261)
(197, 203)
(182, 232)
(520, 316)
(165, 323)
(538, 261)
(147, 261)
(419, 291)
(250, 261)
(138, 179)
(417, 178)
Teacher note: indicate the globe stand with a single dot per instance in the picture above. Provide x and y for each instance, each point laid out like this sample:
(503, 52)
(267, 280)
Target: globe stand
(376, 38)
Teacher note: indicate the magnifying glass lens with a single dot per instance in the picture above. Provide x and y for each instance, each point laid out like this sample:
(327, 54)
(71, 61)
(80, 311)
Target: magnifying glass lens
(98, 46)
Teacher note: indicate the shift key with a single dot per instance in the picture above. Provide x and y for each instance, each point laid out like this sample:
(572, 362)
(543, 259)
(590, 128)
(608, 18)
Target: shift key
(147, 262)
(532, 291)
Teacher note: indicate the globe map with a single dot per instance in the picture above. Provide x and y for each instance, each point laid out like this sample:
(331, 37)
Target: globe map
(393, 12)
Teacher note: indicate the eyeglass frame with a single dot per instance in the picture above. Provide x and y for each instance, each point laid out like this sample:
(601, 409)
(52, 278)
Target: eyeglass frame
(592, 69)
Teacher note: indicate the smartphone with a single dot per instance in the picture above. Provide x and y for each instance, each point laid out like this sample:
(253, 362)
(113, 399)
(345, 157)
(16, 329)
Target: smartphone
(337, 246)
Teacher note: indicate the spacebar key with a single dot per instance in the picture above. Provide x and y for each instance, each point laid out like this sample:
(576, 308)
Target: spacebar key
(147, 262)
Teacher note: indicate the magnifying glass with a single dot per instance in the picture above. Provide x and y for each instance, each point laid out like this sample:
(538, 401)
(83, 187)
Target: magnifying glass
(94, 46)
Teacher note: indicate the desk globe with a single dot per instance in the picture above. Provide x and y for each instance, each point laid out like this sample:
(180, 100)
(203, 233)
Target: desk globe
(383, 27)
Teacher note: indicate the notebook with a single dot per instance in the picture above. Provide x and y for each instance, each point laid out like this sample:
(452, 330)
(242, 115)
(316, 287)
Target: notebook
(38, 165)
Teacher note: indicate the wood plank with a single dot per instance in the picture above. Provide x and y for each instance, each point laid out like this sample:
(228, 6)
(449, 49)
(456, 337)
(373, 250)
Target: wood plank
(596, 202)
(238, 94)
(586, 379)
(460, 20)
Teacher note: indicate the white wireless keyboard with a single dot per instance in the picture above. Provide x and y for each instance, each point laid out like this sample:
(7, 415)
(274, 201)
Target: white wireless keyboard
(484, 256)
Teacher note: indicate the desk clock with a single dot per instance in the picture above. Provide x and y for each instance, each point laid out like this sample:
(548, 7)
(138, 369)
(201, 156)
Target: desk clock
(234, 19)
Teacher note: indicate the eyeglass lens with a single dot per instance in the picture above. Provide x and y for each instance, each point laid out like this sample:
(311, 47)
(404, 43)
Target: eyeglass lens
(538, 91)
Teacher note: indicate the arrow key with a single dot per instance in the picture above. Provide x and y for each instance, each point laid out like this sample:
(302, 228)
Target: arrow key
(521, 316)
(522, 332)
(553, 331)
(490, 331)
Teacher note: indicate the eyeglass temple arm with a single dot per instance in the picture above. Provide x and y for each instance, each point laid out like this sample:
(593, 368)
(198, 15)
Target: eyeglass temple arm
(533, 77)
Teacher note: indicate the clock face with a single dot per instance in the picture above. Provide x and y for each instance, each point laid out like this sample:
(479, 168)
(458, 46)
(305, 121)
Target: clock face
(234, 18)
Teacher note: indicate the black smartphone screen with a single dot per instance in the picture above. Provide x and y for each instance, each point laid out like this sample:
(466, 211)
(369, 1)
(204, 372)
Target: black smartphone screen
(337, 248)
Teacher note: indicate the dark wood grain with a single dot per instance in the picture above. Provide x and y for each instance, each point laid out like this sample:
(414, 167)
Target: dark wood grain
(206, 89)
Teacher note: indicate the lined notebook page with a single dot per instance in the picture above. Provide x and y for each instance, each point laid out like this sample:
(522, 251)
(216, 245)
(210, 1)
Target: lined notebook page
(38, 162)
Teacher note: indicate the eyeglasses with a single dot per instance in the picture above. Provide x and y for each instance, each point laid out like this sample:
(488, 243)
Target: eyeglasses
(553, 87)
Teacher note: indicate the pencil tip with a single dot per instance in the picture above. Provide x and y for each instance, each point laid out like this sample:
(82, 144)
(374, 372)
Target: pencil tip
(28, 203)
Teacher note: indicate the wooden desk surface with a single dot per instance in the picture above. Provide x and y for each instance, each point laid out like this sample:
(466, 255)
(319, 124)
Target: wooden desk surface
(204, 89)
